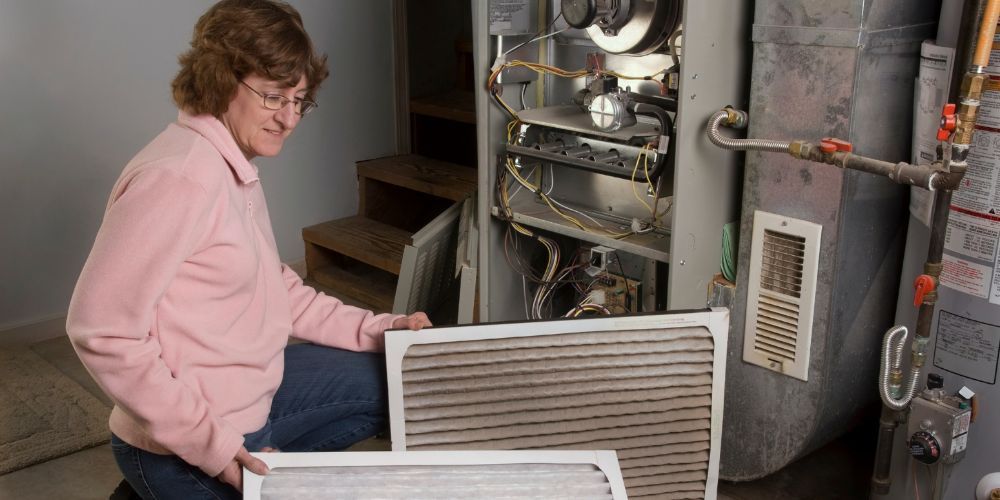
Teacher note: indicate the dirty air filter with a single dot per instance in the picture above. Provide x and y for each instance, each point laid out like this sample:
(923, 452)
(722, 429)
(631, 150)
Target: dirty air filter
(584, 475)
(650, 387)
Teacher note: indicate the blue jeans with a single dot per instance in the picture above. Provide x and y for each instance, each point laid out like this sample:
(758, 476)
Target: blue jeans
(328, 400)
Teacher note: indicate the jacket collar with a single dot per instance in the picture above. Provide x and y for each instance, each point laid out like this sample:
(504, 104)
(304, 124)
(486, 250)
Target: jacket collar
(219, 136)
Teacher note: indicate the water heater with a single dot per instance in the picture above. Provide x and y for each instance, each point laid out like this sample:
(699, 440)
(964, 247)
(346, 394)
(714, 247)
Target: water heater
(936, 455)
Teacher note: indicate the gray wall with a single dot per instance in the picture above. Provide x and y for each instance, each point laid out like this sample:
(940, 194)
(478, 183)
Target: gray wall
(86, 84)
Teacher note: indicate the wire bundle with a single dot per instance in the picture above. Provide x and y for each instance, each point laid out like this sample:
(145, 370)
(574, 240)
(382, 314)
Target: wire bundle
(551, 277)
(730, 246)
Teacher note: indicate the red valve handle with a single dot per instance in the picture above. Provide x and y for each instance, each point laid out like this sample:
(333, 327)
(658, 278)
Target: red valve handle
(923, 285)
(832, 145)
(949, 122)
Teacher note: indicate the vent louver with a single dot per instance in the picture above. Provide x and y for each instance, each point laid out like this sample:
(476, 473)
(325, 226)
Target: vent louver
(428, 265)
(649, 387)
(784, 261)
(570, 475)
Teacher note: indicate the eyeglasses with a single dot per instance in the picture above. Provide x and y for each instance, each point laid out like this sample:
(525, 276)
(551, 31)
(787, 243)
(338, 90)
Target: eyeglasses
(278, 101)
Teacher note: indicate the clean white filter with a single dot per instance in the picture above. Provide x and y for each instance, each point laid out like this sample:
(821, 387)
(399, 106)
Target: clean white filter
(576, 475)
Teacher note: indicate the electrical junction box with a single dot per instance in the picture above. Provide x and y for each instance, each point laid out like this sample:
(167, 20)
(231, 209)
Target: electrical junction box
(938, 428)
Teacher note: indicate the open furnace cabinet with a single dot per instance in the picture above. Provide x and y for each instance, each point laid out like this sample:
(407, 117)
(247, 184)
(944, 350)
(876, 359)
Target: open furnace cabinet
(649, 386)
(598, 190)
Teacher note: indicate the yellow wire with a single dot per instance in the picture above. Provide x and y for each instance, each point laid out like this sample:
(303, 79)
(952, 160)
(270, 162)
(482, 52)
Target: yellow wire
(524, 182)
(642, 154)
(627, 77)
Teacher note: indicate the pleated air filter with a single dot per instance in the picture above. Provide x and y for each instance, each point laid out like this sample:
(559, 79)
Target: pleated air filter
(527, 475)
(650, 387)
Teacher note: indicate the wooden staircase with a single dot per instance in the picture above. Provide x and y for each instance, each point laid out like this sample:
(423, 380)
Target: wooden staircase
(357, 258)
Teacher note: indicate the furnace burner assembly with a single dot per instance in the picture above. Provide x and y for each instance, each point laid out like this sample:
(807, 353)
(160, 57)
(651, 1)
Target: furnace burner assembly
(581, 120)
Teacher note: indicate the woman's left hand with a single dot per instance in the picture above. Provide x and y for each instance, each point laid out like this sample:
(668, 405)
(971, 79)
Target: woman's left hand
(414, 321)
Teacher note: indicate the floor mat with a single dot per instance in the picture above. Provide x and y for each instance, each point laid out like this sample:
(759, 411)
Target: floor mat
(45, 414)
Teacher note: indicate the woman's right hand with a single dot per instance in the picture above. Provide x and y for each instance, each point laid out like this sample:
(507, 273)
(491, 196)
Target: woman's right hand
(233, 473)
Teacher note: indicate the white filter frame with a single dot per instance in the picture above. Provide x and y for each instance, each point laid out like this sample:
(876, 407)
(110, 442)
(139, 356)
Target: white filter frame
(715, 320)
(605, 460)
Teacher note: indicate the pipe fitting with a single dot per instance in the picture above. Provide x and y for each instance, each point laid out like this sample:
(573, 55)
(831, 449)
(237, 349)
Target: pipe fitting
(736, 118)
(968, 107)
(800, 149)
(933, 269)
(896, 383)
(918, 354)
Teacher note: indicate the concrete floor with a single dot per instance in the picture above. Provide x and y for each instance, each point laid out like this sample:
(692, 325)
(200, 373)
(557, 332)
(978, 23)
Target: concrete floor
(838, 471)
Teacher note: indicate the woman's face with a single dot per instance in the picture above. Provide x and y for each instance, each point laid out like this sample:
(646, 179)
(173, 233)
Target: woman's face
(257, 130)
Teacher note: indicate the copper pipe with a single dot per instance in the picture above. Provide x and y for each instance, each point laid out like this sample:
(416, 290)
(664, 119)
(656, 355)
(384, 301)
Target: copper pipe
(988, 28)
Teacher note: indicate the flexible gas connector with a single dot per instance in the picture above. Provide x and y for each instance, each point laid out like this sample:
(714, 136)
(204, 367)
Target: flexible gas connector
(890, 372)
(738, 119)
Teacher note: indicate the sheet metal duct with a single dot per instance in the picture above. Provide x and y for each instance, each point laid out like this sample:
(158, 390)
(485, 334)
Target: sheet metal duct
(649, 387)
(841, 68)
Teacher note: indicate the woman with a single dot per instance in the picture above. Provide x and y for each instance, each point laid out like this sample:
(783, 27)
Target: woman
(183, 310)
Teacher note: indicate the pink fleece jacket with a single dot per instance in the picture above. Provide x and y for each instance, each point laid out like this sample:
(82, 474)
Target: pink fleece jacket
(183, 309)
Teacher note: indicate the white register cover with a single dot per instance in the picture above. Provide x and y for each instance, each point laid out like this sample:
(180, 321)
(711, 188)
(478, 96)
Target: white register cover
(438, 475)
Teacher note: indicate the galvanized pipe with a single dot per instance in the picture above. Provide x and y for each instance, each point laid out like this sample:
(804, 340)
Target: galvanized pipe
(888, 421)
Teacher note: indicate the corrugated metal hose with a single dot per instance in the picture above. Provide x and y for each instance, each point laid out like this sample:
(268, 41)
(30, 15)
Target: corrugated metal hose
(740, 144)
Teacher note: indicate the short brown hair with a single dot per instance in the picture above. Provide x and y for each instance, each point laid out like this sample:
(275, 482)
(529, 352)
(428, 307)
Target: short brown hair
(237, 38)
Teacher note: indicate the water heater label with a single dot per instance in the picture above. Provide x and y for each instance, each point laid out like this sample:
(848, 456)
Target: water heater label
(972, 243)
(966, 276)
(931, 93)
(972, 254)
(967, 347)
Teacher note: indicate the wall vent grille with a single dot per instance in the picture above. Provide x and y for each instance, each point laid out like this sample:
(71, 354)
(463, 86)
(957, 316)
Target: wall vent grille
(652, 394)
(784, 262)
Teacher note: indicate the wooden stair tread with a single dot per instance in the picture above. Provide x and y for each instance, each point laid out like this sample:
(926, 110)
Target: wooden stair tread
(457, 105)
(366, 288)
(363, 239)
(435, 177)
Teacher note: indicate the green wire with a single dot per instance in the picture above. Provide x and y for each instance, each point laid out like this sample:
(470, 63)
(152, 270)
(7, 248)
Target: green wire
(730, 246)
